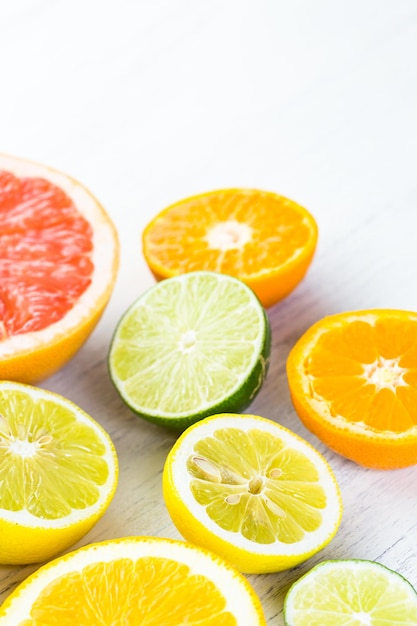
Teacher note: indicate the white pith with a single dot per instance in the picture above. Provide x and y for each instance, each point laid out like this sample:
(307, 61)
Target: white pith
(229, 235)
(385, 374)
(187, 341)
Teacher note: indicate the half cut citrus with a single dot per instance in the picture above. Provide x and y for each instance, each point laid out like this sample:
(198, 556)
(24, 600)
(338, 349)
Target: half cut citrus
(353, 381)
(58, 265)
(131, 581)
(191, 346)
(264, 239)
(353, 593)
(58, 473)
(252, 491)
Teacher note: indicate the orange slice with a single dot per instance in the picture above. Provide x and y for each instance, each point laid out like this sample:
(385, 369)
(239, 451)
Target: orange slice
(353, 382)
(58, 264)
(260, 237)
(135, 580)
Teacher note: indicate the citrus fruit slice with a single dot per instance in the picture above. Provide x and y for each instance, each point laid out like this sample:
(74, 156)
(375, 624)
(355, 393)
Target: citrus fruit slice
(135, 580)
(252, 491)
(190, 346)
(58, 473)
(352, 593)
(353, 382)
(58, 265)
(264, 239)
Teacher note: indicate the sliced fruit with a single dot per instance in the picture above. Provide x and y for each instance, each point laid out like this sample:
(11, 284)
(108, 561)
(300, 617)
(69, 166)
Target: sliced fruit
(260, 237)
(58, 264)
(58, 473)
(135, 580)
(352, 593)
(252, 491)
(191, 346)
(353, 382)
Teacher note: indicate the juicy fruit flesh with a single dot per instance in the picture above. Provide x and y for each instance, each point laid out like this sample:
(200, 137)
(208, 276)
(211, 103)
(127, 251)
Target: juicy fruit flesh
(149, 591)
(51, 463)
(367, 374)
(253, 483)
(243, 233)
(187, 344)
(356, 595)
(45, 250)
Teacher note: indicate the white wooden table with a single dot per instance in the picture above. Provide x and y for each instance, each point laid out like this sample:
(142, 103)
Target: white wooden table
(148, 101)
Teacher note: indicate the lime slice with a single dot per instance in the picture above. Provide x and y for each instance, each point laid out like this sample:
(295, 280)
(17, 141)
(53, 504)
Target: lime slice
(352, 593)
(191, 346)
(58, 473)
(252, 491)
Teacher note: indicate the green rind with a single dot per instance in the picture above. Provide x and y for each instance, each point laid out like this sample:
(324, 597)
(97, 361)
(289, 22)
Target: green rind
(236, 403)
(373, 564)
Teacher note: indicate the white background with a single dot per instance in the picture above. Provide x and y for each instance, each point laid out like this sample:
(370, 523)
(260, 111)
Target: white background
(147, 102)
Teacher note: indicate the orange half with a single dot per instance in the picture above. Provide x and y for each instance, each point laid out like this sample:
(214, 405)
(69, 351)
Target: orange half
(134, 581)
(260, 237)
(353, 382)
(58, 263)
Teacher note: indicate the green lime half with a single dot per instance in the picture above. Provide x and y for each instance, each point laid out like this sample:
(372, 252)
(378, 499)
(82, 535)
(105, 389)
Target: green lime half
(353, 593)
(191, 346)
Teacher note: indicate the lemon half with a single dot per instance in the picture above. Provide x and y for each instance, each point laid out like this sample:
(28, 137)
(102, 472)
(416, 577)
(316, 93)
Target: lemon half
(252, 491)
(58, 473)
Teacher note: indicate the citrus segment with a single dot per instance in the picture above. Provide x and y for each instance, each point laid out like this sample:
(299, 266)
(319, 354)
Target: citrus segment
(189, 346)
(260, 237)
(353, 593)
(135, 580)
(58, 264)
(252, 491)
(353, 382)
(58, 473)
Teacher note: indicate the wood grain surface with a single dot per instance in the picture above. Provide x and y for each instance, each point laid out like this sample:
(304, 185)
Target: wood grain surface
(147, 102)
